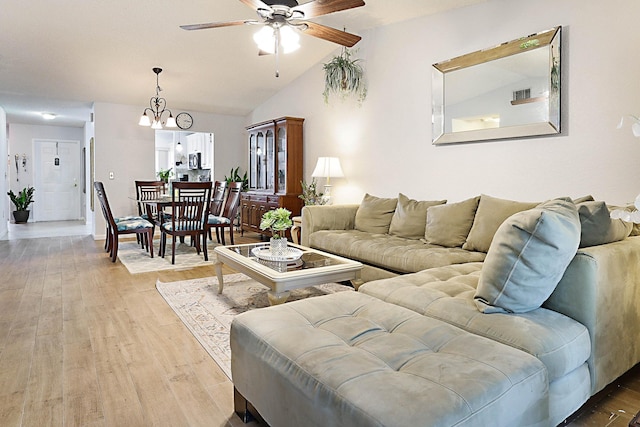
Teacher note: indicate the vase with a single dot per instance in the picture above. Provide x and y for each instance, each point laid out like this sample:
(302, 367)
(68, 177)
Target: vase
(278, 246)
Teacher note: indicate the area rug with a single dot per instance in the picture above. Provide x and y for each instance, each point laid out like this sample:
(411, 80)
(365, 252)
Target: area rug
(208, 315)
(137, 260)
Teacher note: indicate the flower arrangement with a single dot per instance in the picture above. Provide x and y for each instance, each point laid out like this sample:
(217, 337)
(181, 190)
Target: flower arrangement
(277, 221)
(310, 194)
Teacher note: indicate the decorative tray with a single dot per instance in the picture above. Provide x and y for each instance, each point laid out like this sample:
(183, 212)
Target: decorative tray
(264, 252)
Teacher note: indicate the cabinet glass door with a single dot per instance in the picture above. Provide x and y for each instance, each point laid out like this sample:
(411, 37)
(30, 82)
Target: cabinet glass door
(269, 162)
(253, 161)
(261, 162)
(281, 160)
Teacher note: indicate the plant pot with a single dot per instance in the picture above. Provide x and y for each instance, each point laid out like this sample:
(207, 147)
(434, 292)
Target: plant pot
(21, 217)
(278, 247)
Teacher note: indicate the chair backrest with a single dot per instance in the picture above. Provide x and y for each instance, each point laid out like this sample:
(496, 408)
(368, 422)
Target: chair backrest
(218, 197)
(104, 203)
(148, 190)
(233, 201)
(190, 204)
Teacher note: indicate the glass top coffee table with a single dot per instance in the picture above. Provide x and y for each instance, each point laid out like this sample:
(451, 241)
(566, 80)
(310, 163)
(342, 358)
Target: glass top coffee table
(314, 267)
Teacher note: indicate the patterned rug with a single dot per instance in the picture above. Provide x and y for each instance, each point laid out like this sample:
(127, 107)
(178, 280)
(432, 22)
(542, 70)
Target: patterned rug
(137, 260)
(208, 315)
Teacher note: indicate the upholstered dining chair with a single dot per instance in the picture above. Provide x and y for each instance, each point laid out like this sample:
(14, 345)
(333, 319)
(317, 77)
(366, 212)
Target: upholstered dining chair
(190, 208)
(217, 201)
(149, 190)
(228, 214)
(122, 225)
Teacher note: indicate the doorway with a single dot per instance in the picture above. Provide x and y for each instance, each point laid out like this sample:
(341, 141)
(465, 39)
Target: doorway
(57, 180)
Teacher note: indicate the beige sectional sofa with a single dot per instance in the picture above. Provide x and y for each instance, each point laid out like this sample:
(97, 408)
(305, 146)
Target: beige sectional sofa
(479, 312)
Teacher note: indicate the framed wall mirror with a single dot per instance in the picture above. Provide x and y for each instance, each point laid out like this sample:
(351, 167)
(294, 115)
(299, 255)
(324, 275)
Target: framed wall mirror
(508, 91)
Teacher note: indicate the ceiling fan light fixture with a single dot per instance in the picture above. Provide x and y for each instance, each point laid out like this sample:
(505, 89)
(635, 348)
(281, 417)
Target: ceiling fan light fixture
(265, 39)
(289, 39)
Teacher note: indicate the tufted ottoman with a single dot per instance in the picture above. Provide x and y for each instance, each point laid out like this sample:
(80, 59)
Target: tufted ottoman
(348, 359)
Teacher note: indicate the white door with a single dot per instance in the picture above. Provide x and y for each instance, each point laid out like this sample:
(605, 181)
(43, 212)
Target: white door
(57, 180)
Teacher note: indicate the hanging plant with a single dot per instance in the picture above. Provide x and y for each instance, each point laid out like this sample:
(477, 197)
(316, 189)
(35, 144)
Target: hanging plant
(343, 77)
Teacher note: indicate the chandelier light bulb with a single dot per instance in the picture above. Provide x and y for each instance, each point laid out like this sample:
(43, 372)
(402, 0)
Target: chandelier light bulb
(156, 125)
(171, 122)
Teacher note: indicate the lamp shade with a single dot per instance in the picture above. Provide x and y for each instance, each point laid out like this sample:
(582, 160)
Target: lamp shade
(328, 167)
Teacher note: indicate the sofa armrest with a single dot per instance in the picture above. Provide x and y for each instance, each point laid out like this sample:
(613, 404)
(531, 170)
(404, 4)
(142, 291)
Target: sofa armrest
(326, 217)
(601, 290)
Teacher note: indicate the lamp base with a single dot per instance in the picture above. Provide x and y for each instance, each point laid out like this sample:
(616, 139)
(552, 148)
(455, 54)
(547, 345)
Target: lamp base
(326, 196)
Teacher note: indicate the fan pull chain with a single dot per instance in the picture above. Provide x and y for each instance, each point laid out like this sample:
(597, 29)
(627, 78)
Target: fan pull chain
(277, 51)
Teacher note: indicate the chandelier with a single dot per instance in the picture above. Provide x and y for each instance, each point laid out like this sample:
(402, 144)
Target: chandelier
(157, 107)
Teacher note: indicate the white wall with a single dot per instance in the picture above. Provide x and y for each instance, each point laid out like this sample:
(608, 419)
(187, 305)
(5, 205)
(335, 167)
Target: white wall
(20, 142)
(4, 200)
(128, 150)
(385, 146)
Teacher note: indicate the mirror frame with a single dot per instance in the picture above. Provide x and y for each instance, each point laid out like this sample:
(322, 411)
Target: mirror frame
(550, 38)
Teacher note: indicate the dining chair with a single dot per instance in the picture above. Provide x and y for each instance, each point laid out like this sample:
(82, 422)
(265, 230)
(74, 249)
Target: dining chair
(190, 207)
(121, 225)
(217, 201)
(149, 190)
(228, 214)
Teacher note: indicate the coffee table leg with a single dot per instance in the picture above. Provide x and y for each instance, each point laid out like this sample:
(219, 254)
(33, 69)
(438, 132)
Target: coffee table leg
(277, 298)
(357, 281)
(219, 275)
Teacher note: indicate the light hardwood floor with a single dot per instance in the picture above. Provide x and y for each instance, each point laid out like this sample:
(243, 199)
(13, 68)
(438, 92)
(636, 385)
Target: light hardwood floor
(85, 343)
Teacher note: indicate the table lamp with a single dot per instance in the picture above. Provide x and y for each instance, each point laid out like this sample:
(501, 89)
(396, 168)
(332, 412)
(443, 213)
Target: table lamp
(327, 167)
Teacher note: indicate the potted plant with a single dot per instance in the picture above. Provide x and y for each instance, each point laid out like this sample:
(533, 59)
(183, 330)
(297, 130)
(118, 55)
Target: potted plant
(277, 221)
(165, 174)
(22, 202)
(344, 76)
(310, 195)
(234, 176)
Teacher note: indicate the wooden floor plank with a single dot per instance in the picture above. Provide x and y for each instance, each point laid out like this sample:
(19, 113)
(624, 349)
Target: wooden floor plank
(84, 342)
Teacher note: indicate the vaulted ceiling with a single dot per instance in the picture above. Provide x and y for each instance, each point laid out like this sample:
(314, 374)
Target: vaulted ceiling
(61, 56)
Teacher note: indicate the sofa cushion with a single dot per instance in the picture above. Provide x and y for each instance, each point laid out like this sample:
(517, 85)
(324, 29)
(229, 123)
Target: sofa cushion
(348, 359)
(490, 214)
(597, 226)
(527, 258)
(389, 252)
(449, 225)
(374, 214)
(446, 293)
(410, 217)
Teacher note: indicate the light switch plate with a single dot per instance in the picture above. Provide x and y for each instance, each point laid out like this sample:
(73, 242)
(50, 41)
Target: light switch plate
(110, 175)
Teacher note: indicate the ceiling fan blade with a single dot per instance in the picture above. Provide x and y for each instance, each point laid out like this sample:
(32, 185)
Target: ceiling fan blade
(331, 34)
(323, 7)
(214, 25)
(255, 4)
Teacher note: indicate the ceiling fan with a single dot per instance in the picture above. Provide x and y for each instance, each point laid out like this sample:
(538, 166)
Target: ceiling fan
(281, 17)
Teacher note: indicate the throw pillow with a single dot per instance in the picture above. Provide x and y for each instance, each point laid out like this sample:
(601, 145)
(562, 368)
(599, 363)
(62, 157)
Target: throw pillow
(528, 256)
(410, 218)
(374, 214)
(490, 214)
(598, 228)
(587, 198)
(448, 225)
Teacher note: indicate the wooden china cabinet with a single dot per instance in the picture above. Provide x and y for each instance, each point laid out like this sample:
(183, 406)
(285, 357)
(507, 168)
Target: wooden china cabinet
(275, 170)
